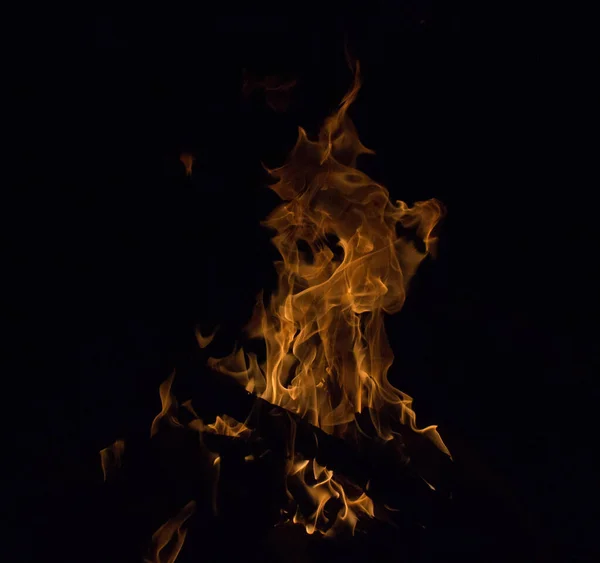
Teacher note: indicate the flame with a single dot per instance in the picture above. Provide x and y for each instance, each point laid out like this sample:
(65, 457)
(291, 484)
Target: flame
(204, 341)
(187, 160)
(110, 458)
(169, 406)
(321, 487)
(227, 426)
(168, 540)
(346, 261)
(348, 253)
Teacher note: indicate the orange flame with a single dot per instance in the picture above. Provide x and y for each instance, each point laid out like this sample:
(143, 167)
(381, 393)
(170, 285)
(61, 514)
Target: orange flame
(168, 540)
(204, 341)
(110, 458)
(187, 160)
(169, 406)
(345, 262)
(321, 486)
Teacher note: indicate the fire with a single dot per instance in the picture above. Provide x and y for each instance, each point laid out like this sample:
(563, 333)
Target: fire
(110, 458)
(345, 263)
(169, 406)
(348, 253)
(187, 160)
(168, 540)
(321, 487)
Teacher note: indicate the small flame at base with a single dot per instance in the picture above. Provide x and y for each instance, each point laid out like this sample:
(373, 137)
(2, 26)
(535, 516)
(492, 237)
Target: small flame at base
(168, 540)
(322, 487)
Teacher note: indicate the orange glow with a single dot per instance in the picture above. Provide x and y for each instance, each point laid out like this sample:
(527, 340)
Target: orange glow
(110, 458)
(345, 263)
(187, 160)
(168, 540)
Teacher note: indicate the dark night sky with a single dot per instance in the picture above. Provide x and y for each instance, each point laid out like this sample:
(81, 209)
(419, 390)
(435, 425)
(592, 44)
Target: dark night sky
(497, 339)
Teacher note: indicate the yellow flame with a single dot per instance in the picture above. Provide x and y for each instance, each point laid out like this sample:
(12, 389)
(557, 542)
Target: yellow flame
(227, 426)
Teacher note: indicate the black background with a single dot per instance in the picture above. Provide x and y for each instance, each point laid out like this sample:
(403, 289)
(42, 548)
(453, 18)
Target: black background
(118, 255)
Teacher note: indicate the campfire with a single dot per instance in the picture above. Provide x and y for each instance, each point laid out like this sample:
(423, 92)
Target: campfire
(318, 400)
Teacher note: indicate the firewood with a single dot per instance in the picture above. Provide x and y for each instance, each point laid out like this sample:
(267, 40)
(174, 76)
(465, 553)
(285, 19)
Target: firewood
(380, 468)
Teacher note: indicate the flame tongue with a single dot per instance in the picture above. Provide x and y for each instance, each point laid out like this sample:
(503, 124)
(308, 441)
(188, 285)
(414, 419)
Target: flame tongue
(327, 354)
(168, 540)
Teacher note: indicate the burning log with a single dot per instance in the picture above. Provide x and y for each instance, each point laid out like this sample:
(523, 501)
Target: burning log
(382, 469)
